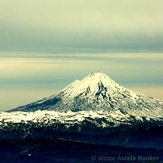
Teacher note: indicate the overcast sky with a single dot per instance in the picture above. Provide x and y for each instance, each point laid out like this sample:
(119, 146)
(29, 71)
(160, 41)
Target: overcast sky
(66, 26)
(46, 44)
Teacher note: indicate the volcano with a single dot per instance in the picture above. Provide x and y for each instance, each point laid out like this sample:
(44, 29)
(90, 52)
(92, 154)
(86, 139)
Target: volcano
(98, 92)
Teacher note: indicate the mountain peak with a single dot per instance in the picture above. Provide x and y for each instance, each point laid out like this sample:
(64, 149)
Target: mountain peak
(91, 86)
(98, 75)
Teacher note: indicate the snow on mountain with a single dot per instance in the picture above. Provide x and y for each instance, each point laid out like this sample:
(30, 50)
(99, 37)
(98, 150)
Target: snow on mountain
(97, 92)
(47, 117)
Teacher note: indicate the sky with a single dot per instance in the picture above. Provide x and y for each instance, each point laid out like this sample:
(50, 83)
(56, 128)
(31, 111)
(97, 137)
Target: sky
(46, 44)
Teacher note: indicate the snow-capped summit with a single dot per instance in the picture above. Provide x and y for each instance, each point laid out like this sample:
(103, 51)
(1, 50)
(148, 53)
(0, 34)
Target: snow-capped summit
(96, 85)
(97, 92)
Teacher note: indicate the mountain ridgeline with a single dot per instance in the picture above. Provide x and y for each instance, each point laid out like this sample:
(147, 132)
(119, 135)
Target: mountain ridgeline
(96, 92)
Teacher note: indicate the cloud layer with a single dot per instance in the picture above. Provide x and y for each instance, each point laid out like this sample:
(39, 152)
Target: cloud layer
(54, 26)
